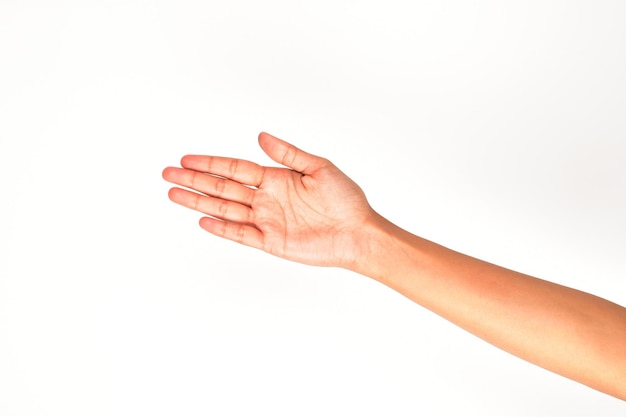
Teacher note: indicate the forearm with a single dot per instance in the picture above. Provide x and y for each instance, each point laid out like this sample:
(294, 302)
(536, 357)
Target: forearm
(572, 333)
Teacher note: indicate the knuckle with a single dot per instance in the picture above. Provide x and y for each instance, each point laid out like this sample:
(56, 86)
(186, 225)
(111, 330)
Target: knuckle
(193, 180)
(195, 202)
(260, 176)
(250, 217)
(240, 234)
(209, 165)
(232, 167)
(222, 209)
(222, 230)
(290, 156)
(219, 186)
(325, 162)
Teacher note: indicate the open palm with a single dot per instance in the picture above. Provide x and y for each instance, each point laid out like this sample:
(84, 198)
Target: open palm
(309, 212)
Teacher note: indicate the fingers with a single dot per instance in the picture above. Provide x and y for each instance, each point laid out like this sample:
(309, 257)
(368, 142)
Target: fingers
(216, 207)
(240, 233)
(244, 172)
(210, 185)
(288, 155)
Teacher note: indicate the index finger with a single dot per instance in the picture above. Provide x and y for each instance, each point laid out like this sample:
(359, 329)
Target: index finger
(242, 171)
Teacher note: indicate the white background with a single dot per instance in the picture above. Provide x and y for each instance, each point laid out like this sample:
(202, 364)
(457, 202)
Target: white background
(495, 128)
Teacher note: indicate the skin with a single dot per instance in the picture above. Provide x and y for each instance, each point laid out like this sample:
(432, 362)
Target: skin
(311, 212)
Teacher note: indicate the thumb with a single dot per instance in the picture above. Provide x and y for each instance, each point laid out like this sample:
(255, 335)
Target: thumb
(288, 155)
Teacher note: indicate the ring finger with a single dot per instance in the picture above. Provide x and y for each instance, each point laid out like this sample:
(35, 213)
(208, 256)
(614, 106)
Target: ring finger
(215, 207)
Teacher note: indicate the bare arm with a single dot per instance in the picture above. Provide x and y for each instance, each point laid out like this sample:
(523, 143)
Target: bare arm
(312, 213)
(569, 332)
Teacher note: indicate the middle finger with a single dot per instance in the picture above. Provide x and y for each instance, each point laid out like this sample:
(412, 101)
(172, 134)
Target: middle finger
(210, 185)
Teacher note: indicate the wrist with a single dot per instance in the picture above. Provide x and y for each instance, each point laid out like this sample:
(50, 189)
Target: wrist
(384, 249)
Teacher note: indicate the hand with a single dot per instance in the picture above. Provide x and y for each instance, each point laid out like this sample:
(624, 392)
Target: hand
(310, 213)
